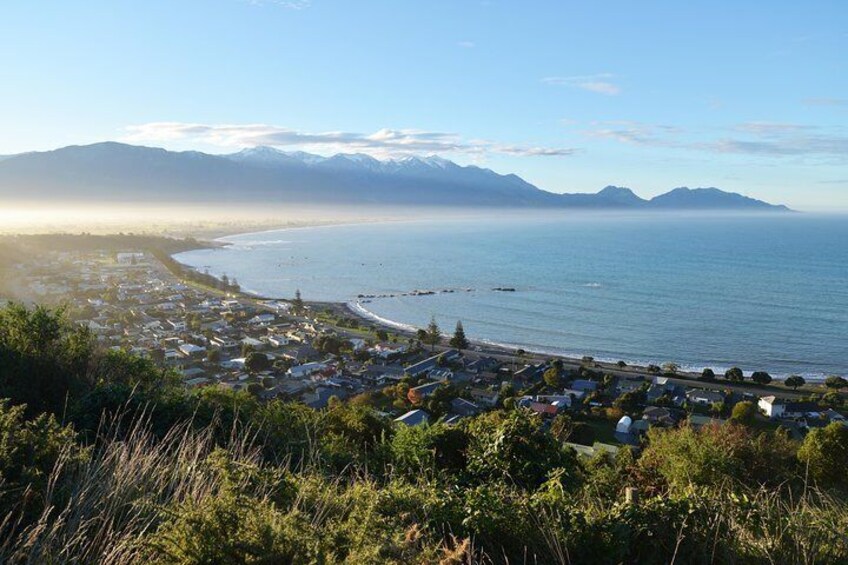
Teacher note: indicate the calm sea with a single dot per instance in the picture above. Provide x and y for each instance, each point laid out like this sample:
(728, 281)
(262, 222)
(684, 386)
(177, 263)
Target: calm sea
(761, 292)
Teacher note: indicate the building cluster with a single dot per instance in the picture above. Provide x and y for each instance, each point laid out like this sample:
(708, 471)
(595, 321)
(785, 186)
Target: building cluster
(131, 302)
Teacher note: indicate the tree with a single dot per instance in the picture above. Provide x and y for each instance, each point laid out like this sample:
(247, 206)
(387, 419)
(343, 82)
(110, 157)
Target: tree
(459, 341)
(718, 408)
(561, 427)
(794, 381)
(297, 305)
(836, 382)
(551, 377)
(831, 399)
(629, 401)
(214, 356)
(382, 335)
(825, 451)
(506, 391)
(734, 374)
(329, 343)
(744, 412)
(433, 335)
(256, 362)
(707, 374)
(670, 367)
(761, 377)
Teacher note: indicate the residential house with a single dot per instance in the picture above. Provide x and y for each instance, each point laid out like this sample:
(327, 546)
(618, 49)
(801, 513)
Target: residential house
(413, 418)
(424, 367)
(305, 370)
(191, 350)
(659, 415)
(484, 397)
(531, 373)
(697, 421)
(417, 394)
(483, 365)
(704, 397)
(462, 407)
(774, 407)
(584, 385)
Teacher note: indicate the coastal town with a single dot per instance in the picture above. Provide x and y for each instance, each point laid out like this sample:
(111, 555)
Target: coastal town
(212, 335)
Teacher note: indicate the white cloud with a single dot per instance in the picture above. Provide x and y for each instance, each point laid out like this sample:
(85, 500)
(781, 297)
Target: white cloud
(764, 139)
(598, 83)
(466, 44)
(381, 143)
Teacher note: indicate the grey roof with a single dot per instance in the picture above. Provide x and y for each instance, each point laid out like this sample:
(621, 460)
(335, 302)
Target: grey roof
(413, 418)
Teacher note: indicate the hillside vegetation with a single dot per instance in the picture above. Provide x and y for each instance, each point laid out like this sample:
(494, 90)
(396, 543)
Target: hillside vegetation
(105, 458)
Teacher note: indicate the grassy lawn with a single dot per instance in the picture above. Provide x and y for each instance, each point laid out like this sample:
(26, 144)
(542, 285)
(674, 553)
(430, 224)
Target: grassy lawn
(604, 431)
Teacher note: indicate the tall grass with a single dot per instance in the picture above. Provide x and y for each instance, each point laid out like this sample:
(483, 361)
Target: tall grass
(108, 508)
(101, 510)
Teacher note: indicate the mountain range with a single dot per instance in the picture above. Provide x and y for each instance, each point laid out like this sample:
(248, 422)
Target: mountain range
(112, 171)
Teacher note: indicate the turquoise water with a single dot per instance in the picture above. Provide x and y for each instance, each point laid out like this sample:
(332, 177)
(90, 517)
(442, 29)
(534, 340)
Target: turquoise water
(762, 292)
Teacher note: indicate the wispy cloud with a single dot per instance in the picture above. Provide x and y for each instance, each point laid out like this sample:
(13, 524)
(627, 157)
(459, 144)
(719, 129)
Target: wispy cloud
(598, 83)
(821, 145)
(466, 44)
(826, 101)
(771, 129)
(382, 143)
(629, 131)
(289, 4)
(767, 139)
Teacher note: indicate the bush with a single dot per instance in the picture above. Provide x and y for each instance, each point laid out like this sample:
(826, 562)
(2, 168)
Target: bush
(825, 452)
(715, 456)
(513, 446)
(744, 412)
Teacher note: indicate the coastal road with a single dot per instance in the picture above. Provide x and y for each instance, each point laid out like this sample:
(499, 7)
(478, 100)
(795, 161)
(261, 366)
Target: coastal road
(507, 355)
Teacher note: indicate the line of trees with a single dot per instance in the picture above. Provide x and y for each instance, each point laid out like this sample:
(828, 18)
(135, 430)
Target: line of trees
(179, 270)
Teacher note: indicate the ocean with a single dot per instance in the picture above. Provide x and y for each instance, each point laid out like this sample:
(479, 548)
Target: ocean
(766, 292)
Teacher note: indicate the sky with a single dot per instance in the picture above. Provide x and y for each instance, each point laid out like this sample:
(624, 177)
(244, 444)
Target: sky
(750, 97)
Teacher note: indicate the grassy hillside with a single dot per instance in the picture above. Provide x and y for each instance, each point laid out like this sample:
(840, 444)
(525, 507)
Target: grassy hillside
(106, 459)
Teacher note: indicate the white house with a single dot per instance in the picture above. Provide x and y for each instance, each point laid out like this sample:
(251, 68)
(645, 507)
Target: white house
(177, 325)
(191, 350)
(277, 340)
(262, 319)
(300, 371)
(771, 406)
(774, 407)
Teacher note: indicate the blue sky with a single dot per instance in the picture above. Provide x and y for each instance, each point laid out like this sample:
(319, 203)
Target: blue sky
(746, 96)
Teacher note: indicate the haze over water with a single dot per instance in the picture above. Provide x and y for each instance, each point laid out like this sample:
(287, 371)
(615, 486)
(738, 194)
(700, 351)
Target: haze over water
(762, 292)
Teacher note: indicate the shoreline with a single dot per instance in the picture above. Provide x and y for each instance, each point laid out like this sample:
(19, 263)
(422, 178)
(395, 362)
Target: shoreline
(354, 308)
(484, 347)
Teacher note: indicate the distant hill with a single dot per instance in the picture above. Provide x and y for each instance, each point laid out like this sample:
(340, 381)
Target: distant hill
(119, 172)
(708, 199)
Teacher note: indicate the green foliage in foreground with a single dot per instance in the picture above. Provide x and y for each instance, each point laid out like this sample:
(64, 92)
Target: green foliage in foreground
(143, 471)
